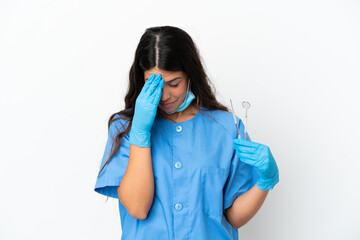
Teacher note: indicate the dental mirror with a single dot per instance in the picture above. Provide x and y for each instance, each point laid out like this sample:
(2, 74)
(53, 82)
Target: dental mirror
(246, 105)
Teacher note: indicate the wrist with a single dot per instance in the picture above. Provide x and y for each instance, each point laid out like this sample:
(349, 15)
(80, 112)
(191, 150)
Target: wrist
(139, 137)
(266, 183)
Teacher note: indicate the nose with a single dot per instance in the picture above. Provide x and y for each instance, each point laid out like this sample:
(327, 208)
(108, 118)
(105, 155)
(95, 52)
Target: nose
(165, 96)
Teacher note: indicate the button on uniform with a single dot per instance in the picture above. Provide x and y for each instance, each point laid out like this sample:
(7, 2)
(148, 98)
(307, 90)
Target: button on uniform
(178, 128)
(178, 164)
(178, 206)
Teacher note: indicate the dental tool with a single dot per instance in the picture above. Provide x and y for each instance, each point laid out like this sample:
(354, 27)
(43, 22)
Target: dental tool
(237, 127)
(245, 105)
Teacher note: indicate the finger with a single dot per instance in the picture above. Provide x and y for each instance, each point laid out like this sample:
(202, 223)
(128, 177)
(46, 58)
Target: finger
(251, 163)
(244, 149)
(153, 85)
(148, 83)
(245, 155)
(157, 94)
(152, 77)
(247, 143)
(248, 158)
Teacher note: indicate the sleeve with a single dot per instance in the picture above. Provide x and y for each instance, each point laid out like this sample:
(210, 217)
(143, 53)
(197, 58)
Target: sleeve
(242, 177)
(112, 174)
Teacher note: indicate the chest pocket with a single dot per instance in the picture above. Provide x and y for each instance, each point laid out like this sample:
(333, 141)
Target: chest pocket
(212, 182)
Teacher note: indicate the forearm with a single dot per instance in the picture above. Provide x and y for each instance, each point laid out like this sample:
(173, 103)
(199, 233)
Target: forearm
(245, 207)
(136, 191)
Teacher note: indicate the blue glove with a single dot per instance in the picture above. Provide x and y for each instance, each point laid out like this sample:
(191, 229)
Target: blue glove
(145, 111)
(259, 156)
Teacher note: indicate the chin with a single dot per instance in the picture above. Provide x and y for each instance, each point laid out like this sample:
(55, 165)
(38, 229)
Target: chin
(169, 110)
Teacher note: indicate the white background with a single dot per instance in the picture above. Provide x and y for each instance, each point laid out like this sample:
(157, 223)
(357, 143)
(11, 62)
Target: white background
(64, 67)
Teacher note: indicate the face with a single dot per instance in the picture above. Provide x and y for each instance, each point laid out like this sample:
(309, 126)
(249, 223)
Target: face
(174, 90)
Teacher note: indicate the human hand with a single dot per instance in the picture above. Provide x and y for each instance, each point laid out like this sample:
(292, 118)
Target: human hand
(259, 156)
(145, 111)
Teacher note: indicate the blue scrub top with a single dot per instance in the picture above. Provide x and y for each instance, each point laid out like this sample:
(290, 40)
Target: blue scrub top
(197, 176)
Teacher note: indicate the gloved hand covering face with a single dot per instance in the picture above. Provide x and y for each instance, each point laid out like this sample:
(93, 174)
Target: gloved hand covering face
(145, 111)
(259, 156)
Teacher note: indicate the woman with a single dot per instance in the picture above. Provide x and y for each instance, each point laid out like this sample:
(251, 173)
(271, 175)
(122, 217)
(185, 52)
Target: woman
(172, 157)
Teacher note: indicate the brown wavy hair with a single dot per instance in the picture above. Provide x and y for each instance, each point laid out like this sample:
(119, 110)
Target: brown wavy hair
(171, 49)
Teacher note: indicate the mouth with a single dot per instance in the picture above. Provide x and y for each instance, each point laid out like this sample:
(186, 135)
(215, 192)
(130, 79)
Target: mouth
(167, 105)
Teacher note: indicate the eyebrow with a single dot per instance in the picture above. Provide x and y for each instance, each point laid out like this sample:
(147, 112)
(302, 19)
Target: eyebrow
(170, 80)
(173, 79)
